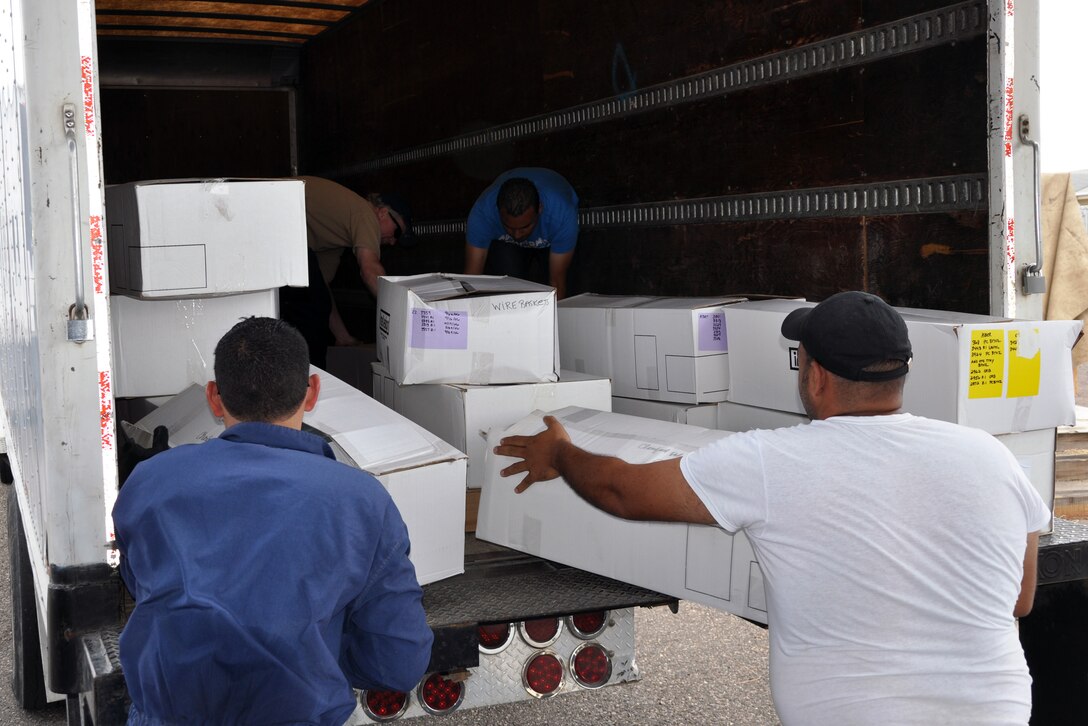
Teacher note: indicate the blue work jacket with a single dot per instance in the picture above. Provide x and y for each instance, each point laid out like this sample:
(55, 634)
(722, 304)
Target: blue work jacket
(269, 579)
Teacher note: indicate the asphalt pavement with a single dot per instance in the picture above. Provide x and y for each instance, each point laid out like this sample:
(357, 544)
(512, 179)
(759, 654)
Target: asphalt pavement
(698, 666)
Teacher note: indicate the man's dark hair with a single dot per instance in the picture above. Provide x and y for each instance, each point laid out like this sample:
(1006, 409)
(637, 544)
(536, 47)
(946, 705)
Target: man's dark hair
(262, 369)
(517, 195)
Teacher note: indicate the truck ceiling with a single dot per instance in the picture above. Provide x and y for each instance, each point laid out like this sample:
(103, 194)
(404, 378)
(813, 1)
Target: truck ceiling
(288, 22)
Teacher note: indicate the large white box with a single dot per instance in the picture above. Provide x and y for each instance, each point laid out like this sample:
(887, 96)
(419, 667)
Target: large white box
(672, 349)
(694, 414)
(763, 364)
(659, 348)
(694, 562)
(995, 374)
(1034, 450)
(189, 237)
(585, 331)
(739, 417)
(1001, 376)
(424, 475)
(462, 414)
(477, 329)
(162, 346)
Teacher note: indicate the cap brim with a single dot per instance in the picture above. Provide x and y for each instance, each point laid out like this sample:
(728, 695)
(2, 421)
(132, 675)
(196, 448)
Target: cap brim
(795, 323)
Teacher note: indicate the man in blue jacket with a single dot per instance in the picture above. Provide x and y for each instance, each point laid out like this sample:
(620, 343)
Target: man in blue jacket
(269, 579)
(525, 225)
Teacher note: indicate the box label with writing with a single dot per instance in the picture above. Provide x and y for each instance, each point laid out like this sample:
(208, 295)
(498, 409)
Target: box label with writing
(986, 375)
(439, 329)
(712, 332)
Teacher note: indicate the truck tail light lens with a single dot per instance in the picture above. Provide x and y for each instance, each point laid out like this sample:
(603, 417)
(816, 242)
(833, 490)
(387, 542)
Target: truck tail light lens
(542, 675)
(438, 694)
(590, 665)
(494, 638)
(540, 633)
(385, 705)
(588, 625)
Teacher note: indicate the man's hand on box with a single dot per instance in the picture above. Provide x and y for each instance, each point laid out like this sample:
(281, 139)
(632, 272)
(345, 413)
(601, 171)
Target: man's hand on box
(539, 454)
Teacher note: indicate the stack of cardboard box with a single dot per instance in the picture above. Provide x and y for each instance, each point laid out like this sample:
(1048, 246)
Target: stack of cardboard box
(460, 355)
(668, 357)
(189, 259)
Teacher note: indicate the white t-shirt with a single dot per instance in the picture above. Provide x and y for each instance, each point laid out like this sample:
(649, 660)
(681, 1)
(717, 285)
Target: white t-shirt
(892, 550)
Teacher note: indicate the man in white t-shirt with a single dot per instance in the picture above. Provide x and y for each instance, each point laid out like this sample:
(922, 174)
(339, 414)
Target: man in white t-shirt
(897, 551)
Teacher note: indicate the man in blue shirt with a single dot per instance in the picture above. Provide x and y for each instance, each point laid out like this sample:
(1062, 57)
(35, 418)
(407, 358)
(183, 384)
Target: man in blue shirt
(269, 579)
(525, 225)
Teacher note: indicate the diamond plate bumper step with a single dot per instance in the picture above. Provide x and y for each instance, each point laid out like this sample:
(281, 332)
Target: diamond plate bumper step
(500, 585)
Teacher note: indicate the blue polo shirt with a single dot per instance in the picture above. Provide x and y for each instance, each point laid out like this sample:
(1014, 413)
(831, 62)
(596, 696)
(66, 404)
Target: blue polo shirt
(557, 227)
(269, 579)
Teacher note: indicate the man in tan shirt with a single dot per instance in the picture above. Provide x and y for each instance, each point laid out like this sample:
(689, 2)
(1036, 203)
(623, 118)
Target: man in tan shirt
(337, 219)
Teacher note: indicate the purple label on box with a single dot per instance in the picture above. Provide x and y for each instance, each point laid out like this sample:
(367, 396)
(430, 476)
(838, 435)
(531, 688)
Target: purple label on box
(439, 329)
(712, 332)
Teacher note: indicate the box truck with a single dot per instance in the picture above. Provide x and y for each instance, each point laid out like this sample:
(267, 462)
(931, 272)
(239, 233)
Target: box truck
(718, 148)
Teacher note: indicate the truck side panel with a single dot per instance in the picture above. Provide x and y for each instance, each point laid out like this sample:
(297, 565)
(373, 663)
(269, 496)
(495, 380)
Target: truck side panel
(54, 324)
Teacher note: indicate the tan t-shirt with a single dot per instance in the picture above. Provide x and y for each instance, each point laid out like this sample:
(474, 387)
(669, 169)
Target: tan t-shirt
(338, 218)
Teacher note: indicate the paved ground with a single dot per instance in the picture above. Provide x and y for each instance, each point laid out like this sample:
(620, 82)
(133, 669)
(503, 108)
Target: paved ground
(700, 666)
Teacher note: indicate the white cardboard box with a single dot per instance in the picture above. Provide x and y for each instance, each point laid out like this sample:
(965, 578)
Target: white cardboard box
(694, 562)
(187, 237)
(995, 374)
(1001, 376)
(462, 415)
(162, 346)
(660, 348)
(478, 329)
(585, 331)
(738, 417)
(424, 475)
(763, 364)
(672, 349)
(1034, 450)
(694, 414)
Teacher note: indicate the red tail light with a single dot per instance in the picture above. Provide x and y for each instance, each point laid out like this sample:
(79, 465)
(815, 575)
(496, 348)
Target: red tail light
(494, 638)
(590, 665)
(438, 694)
(542, 675)
(540, 633)
(588, 625)
(385, 705)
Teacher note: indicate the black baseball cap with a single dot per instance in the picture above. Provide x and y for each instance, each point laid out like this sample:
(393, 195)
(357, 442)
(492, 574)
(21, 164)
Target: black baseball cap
(850, 331)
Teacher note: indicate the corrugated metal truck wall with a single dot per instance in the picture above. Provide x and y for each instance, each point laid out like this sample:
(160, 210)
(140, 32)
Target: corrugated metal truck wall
(638, 104)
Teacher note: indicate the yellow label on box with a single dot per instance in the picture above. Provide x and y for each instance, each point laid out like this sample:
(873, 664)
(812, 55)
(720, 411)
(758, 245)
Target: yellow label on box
(986, 376)
(1024, 369)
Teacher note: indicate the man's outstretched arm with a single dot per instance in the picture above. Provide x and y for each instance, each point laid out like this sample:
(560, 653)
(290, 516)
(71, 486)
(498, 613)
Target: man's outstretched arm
(655, 491)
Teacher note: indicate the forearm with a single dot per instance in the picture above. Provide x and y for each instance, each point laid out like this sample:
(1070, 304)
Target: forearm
(475, 258)
(597, 479)
(370, 269)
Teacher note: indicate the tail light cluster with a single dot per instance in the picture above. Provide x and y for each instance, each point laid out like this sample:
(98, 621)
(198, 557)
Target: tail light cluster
(437, 695)
(542, 675)
(590, 665)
